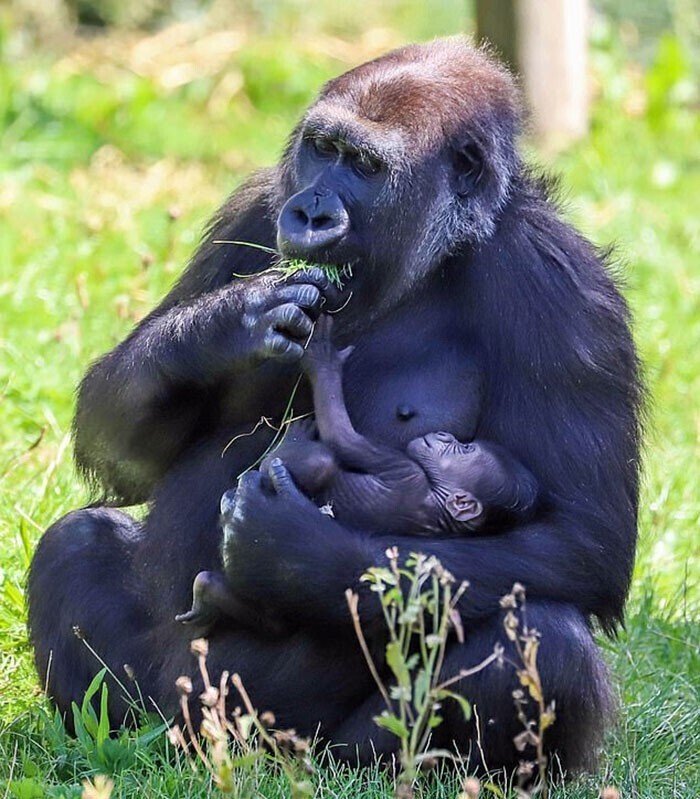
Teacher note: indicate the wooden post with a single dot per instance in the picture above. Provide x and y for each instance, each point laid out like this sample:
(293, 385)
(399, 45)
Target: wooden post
(545, 42)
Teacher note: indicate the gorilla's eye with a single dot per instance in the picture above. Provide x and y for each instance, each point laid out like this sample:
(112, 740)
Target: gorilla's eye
(367, 165)
(324, 147)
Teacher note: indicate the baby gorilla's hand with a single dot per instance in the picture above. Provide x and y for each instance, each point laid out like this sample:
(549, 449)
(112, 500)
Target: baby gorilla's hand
(320, 354)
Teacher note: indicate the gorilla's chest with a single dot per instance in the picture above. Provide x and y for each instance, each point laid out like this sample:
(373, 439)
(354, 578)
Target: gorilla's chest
(397, 390)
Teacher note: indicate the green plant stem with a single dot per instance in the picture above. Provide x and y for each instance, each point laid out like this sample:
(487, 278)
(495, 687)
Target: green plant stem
(352, 600)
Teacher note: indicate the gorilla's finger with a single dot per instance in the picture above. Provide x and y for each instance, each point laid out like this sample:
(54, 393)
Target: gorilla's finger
(314, 275)
(305, 295)
(281, 479)
(324, 326)
(248, 483)
(317, 277)
(291, 320)
(228, 501)
(280, 347)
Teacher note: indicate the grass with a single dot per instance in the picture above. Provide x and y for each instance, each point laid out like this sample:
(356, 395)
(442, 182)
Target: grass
(112, 157)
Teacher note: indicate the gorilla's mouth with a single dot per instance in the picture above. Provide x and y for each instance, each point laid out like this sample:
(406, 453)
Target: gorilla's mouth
(339, 275)
(417, 447)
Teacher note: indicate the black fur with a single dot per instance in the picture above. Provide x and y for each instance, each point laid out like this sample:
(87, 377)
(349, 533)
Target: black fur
(454, 266)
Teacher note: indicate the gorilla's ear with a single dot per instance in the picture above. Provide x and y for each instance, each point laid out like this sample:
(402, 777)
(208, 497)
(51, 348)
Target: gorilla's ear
(468, 168)
(463, 506)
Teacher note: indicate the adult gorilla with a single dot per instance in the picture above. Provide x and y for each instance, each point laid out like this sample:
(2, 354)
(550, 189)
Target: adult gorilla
(474, 309)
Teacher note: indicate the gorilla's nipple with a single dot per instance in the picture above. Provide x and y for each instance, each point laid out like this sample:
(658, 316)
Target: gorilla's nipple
(405, 413)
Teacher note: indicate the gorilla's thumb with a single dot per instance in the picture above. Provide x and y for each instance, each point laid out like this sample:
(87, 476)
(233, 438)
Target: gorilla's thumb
(280, 478)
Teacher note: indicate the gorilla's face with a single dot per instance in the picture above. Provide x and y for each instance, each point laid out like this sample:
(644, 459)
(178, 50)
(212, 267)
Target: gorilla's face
(338, 184)
(396, 167)
(353, 198)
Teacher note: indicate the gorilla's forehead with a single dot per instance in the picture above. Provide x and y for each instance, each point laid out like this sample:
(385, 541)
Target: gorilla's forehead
(421, 94)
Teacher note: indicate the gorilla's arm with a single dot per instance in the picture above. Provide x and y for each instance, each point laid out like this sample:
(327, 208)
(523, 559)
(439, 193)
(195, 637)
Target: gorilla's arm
(142, 404)
(315, 559)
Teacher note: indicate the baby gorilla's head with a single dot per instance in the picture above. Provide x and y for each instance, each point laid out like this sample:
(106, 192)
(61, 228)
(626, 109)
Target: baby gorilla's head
(478, 483)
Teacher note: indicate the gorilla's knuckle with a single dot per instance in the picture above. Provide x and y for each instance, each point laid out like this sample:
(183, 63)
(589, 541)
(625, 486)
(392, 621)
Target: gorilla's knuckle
(292, 314)
(249, 321)
(316, 275)
(275, 343)
(245, 482)
(255, 300)
(310, 295)
(305, 295)
(289, 351)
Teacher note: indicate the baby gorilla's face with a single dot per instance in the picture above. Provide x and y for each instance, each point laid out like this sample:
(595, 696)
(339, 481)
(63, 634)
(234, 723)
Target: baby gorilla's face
(457, 472)
(449, 463)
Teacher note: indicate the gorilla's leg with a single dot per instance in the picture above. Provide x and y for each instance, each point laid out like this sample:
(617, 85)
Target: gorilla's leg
(359, 741)
(79, 588)
(572, 673)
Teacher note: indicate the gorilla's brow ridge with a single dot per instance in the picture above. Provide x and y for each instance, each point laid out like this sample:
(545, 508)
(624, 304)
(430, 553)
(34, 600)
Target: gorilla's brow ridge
(364, 135)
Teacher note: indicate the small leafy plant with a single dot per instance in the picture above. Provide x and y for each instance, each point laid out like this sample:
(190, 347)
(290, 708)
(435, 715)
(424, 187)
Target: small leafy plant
(526, 641)
(419, 604)
(229, 748)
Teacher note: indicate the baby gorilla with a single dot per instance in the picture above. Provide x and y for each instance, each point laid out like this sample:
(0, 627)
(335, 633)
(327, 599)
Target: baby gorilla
(439, 485)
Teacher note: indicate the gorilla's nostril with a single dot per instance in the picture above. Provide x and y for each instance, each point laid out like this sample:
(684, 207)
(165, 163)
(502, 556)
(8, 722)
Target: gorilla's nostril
(301, 216)
(322, 222)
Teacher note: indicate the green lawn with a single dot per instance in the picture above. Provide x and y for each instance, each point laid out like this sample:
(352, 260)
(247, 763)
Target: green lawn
(111, 158)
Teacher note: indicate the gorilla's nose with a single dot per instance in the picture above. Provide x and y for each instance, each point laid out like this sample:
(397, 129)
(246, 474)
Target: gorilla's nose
(310, 221)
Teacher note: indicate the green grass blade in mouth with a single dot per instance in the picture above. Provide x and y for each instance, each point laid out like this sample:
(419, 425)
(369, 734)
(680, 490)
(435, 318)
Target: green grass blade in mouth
(289, 266)
(336, 274)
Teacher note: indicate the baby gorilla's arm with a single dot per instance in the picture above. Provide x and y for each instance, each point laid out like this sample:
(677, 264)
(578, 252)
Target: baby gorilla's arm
(323, 364)
(212, 598)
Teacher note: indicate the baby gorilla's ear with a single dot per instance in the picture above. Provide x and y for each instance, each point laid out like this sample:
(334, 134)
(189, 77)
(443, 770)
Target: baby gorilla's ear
(463, 506)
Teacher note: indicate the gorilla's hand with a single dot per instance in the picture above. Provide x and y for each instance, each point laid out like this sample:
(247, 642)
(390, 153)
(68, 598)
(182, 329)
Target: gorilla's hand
(260, 519)
(278, 314)
(280, 550)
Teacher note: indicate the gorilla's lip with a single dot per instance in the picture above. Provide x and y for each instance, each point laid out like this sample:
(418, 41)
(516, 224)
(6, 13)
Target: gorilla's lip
(416, 446)
(343, 268)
